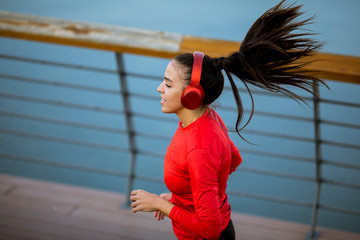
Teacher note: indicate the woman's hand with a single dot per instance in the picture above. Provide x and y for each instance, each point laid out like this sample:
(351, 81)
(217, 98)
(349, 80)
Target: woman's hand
(158, 214)
(148, 202)
(144, 201)
(166, 196)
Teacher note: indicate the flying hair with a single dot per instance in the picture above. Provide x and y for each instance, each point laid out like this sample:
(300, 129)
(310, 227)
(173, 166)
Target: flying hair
(272, 56)
(269, 57)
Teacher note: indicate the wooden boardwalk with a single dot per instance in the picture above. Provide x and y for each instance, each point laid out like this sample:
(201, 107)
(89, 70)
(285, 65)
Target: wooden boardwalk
(38, 210)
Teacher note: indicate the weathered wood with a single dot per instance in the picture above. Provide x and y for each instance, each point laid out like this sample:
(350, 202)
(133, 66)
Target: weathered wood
(89, 35)
(150, 43)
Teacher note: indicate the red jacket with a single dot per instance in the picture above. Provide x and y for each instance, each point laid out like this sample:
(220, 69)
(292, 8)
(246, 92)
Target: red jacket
(197, 165)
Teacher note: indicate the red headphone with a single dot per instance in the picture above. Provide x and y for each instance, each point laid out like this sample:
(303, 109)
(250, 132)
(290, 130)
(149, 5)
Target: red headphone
(193, 95)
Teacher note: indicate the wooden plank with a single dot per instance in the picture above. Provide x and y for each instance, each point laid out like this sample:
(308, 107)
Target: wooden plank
(336, 67)
(30, 208)
(127, 218)
(5, 188)
(46, 227)
(257, 233)
(104, 214)
(14, 233)
(89, 35)
(39, 217)
(150, 43)
(332, 234)
(82, 209)
(270, 227)
(71, 199)
(33, 203)
(329, 66)
(279, 229)
(61, 189)
(211, 47)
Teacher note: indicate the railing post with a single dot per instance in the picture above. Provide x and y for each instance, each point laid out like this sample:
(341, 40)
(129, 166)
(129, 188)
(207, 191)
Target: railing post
(129, 125)
(312, 235)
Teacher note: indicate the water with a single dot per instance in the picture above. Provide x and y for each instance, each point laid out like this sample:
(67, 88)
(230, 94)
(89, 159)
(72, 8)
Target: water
(226, 20)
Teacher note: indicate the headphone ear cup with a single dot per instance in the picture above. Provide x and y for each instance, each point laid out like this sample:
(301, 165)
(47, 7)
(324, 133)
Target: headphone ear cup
(192, 97)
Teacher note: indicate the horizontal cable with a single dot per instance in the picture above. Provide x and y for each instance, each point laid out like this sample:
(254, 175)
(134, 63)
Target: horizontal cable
(341, 184)
(142, 115)
(147, 116)
(145, 76)
(120, 131)
(342, 103)
(58, 64)
(62, 165)
(269, 93)
(277, 155)
(297, 177)
(63, 140)
(96, 69)
(151, 154)
(160, 118)
(75, 86)
(61, 103)
(80, 67)
(277, 174)
(113, 92)
(270, 114)
(338, 144)
(81, 106)
(81, 125)
(323, 100)
(62, 122)
(139, 95)
(339, 164)
(149, 179)
(114, 111)
(347, 125)
(270, 199)
(276, 135)
(77, 142)
(60, 84)
(153, 136)
(80, 143)
(291, 202)
(339, 210)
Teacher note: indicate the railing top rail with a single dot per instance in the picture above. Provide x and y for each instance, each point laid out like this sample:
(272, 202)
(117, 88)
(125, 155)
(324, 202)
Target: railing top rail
(150, 43)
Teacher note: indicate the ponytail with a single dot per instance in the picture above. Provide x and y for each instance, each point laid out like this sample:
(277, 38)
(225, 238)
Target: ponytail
(268, 57)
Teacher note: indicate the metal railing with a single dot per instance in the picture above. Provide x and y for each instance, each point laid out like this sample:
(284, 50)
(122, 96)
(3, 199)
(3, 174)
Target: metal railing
(132, 134)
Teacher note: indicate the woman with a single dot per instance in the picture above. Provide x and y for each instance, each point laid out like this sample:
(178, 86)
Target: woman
(201, 155)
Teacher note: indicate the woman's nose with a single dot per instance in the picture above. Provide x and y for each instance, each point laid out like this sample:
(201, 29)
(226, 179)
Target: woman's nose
(160, 88)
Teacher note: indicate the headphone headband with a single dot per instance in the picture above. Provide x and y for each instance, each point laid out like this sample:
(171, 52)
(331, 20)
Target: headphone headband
(193, 95)
(197, 67)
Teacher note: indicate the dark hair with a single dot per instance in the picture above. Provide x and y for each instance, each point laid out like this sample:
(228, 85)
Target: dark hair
(267, 58)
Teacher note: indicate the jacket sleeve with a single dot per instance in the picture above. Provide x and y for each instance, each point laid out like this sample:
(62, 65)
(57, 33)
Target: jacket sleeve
(203, 170)
(236, 158)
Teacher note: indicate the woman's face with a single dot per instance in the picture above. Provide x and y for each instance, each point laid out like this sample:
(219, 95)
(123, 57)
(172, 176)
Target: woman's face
(171, 89)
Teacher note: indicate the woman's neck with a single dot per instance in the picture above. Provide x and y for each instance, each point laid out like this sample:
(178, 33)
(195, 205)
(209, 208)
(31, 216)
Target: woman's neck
(188, 116)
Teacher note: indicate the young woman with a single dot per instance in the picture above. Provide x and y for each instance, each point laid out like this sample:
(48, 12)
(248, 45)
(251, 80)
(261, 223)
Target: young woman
(201, 155)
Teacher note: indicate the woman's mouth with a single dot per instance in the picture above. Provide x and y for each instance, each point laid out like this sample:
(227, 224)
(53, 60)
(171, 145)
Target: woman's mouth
(162, 101)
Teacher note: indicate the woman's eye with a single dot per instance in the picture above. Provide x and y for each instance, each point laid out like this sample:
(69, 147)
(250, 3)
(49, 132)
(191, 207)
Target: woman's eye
(167, 85)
